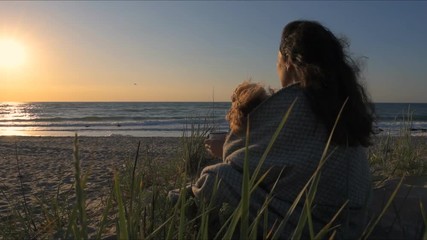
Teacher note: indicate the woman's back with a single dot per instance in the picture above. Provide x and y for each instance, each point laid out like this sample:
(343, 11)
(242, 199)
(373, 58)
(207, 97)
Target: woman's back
(298, 150)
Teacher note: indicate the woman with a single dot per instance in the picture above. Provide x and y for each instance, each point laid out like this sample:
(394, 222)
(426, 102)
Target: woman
(319, 78)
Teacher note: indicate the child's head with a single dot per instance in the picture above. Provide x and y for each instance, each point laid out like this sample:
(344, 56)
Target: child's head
(245, 98)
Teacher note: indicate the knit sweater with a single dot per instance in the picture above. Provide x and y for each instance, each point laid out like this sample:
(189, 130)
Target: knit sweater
(297, 151)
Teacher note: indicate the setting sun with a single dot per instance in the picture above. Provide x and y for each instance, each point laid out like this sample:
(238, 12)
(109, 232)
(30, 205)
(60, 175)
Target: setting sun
(12, 53)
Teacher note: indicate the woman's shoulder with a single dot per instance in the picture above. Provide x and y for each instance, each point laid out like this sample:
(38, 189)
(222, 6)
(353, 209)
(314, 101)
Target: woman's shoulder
(294, 88)
(282, 99)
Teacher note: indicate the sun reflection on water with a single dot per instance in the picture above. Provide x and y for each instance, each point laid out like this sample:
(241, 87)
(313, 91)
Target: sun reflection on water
(11, 131)
(14, 111)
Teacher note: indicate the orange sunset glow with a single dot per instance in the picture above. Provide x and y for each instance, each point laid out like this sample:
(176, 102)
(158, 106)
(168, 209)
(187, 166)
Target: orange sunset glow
(146, 51)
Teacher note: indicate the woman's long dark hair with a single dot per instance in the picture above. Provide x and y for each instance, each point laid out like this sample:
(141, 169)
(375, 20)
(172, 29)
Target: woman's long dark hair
(329, 76)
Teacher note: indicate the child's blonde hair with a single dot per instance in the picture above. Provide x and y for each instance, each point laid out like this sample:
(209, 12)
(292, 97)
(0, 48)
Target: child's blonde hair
(245, 98)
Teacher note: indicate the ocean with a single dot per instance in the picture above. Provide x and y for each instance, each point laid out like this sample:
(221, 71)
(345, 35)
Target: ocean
(141, 119)
(154, 119)
(394, 117)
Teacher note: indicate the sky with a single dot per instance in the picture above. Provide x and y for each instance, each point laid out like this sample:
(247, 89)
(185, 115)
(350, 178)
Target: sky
(196, 51)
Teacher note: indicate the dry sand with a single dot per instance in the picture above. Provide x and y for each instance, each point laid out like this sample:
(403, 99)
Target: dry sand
(47, 162)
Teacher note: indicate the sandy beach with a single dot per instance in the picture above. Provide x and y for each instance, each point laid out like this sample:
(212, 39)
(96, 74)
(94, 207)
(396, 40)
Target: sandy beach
(46, 163)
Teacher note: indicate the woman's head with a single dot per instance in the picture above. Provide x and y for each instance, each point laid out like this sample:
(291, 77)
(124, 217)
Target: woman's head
(307, 48)
(245, 98)
(313, 55)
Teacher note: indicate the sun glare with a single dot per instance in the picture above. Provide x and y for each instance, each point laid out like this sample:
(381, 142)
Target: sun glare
(12, 53)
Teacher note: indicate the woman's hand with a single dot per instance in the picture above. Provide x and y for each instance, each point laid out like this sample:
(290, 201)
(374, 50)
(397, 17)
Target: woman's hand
(215, 146)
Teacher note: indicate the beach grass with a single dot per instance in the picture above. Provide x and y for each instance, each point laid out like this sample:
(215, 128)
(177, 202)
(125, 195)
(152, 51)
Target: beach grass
(137, 206)
(393, 156)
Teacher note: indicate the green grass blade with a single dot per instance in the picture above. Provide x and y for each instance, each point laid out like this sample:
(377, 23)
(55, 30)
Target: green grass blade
(248, 182)
(298, 199)
(182, 217)
(104, 216)
(16, 213)
(253, 235)
(370, 228)
(272, 141)
(159, 228)
(204, 226)
(80, 194)
(259, 181)
(322, 161)
(306, 212)
(71, 224)
(423, 213)
(122, 226)
(265, 225)
(233, 223)
(333, 235)
(310, 222)
(263, 212)
(171, 226)
(132, 190)
(301, 222)
(325, 150)
(244, 223)
(322, 233)
(29, 219)
(204, 223)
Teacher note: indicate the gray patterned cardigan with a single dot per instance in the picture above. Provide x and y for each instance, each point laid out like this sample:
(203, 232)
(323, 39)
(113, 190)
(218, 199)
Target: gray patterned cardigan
(298, 148)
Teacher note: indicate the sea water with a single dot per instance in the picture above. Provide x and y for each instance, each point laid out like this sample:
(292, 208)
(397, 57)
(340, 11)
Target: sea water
(142, 119)
(169, 119)
(392, 118)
